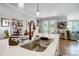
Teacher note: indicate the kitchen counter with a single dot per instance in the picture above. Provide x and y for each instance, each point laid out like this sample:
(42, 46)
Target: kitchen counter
(6, 50)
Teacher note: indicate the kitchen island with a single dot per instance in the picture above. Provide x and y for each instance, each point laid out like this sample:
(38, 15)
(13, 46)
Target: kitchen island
(51, 50)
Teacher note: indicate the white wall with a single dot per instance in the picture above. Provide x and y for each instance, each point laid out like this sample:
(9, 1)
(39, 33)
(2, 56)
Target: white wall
(8, 12)
(73, 17)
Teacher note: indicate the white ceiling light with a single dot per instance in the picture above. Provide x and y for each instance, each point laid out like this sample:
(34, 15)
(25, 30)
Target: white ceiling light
(37, 12)
(21, 5)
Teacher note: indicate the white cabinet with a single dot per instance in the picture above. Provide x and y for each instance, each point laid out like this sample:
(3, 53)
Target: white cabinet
(57, 51)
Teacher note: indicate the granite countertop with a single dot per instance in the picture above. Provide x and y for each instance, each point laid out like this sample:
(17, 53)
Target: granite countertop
(5, 49)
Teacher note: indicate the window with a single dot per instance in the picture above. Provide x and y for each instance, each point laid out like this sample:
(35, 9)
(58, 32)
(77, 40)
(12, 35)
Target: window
(73, 26)
(47, 27)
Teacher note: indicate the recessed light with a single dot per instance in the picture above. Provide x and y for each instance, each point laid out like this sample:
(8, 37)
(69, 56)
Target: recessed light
(21, 5)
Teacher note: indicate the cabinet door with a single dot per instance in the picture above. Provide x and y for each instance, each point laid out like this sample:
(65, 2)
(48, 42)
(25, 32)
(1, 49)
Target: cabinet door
(57, 51)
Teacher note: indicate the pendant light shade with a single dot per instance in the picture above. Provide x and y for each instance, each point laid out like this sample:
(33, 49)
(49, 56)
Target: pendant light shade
(37, 12)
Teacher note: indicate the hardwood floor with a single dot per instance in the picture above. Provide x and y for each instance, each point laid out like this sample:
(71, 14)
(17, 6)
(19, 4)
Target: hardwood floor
(69, 48)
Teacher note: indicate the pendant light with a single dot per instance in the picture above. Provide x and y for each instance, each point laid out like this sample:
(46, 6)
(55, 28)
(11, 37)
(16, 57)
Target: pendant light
(37, 12)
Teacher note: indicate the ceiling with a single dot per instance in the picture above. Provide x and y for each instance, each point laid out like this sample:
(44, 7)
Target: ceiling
(50, 9)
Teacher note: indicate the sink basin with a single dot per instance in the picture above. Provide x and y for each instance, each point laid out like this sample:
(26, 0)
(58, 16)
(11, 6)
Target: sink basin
(38, 45)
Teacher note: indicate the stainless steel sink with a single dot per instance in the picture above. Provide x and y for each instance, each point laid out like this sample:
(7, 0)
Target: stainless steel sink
(38, 45)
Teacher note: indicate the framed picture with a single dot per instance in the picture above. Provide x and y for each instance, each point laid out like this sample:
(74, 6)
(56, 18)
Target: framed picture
(4, 22)
(61, 25)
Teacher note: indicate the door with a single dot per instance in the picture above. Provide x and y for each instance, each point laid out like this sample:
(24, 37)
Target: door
(73, 26)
